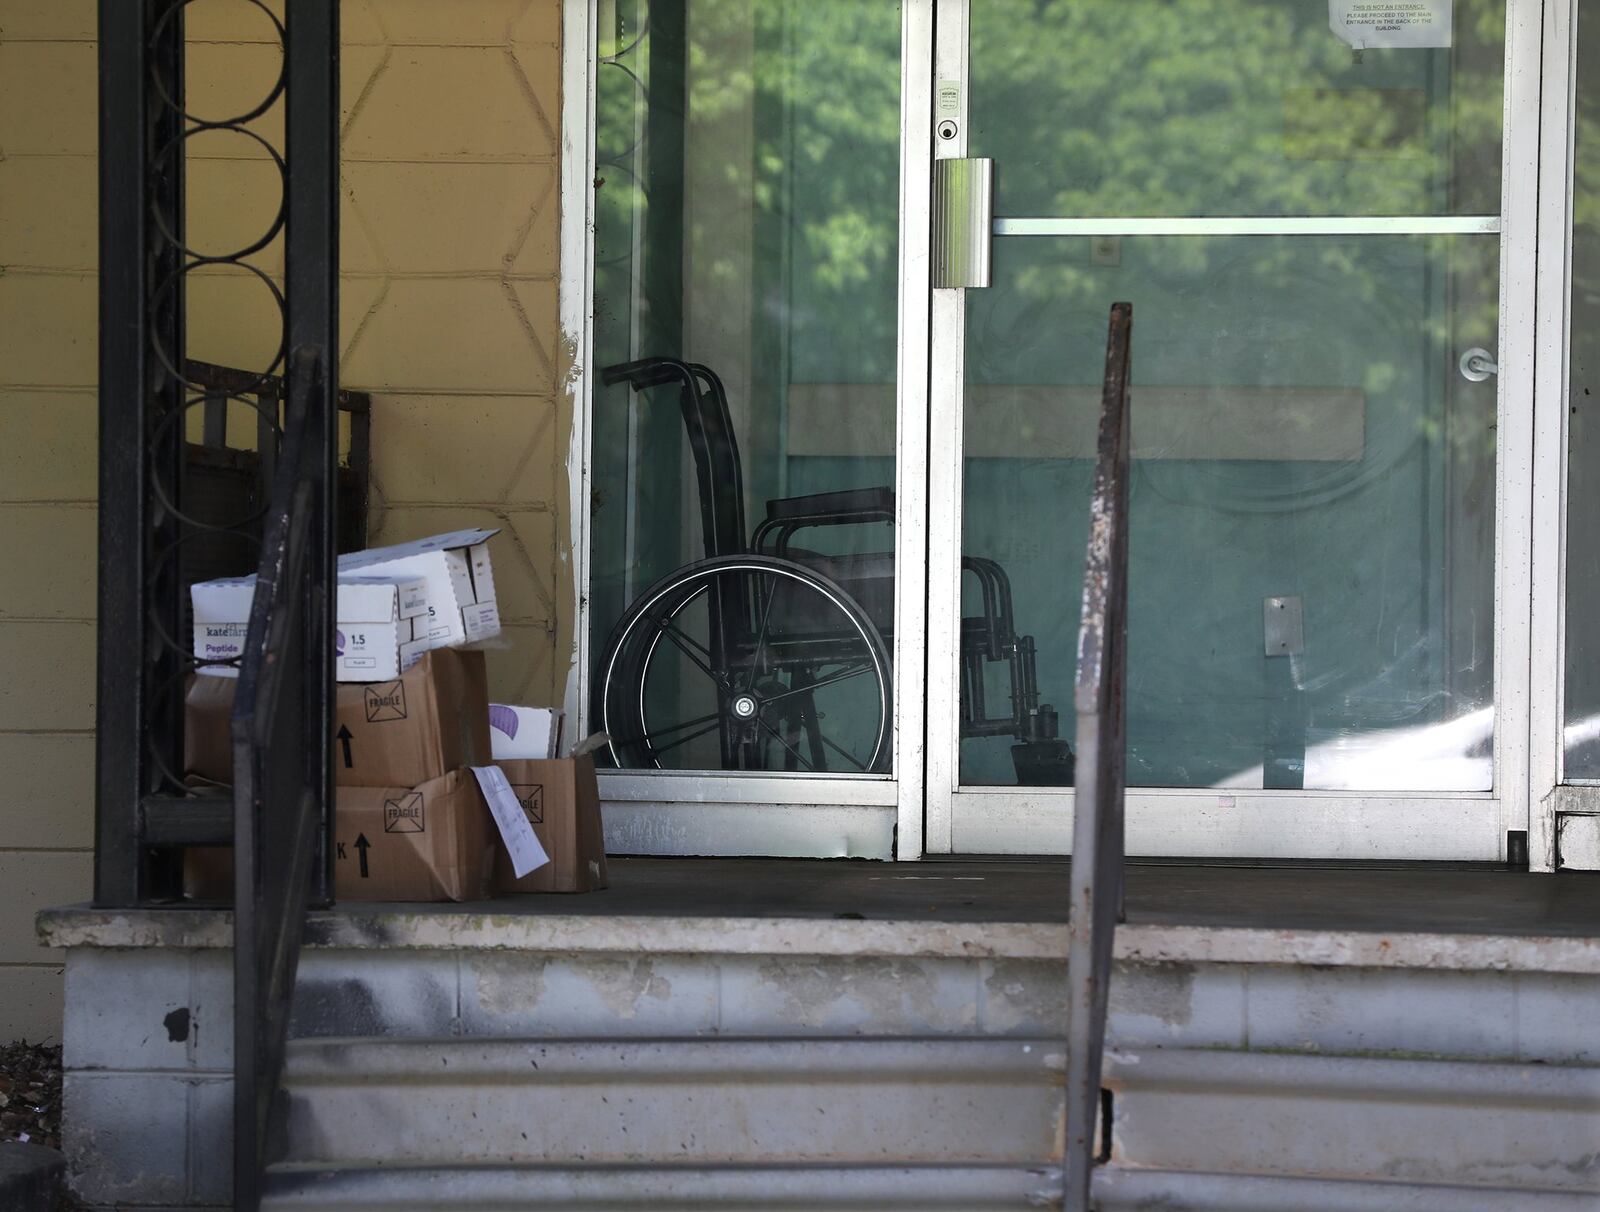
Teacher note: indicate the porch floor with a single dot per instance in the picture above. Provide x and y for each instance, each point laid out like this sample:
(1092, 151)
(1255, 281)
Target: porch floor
(1428, 917)
(1255, 896)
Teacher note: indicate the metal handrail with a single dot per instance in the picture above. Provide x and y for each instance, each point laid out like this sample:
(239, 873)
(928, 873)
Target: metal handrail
(282, 793)
(1097, 828)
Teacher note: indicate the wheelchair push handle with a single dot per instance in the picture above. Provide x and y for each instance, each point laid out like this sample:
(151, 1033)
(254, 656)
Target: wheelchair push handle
(647, 372)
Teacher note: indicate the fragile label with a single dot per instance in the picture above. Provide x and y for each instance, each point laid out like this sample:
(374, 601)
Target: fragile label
(1404, 24)
(522, 844)
(404, 815)
(531, 797)
(386, 702)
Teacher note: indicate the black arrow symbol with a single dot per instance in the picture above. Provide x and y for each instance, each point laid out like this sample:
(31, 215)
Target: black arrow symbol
(362, 845)
(344, 735)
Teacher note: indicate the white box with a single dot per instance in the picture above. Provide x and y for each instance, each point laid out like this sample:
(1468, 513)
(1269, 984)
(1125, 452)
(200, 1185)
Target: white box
(460, 583)
(523, 733)
(372, 628)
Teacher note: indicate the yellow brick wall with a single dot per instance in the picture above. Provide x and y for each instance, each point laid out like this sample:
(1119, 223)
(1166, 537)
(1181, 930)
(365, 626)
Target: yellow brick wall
(449, 317)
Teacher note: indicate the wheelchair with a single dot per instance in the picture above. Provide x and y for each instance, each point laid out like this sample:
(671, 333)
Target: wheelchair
(768, 656)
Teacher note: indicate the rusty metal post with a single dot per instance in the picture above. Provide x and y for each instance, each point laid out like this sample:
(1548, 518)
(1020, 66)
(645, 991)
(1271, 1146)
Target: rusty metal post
(1097, 833)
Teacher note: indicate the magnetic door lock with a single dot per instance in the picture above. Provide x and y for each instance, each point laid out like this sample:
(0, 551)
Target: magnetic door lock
(963, 218)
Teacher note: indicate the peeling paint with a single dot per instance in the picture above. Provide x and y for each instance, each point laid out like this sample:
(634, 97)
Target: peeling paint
(509, 985)
(623, 983)
(812, 989)
(1161, 991)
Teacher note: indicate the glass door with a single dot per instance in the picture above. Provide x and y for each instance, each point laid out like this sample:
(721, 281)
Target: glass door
(1305, 202)
(759, 375)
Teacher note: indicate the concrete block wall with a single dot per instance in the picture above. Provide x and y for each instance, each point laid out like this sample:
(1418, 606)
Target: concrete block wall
(449, 283)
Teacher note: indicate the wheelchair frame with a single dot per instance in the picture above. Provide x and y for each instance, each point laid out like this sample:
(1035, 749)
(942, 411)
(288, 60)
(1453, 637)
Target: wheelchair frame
(743, 656)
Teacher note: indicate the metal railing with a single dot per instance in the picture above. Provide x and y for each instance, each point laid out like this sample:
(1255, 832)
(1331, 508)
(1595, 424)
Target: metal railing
(1097, 828)
(281, 774)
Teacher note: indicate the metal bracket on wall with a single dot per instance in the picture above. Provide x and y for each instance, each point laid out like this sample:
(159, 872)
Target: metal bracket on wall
(963, 218)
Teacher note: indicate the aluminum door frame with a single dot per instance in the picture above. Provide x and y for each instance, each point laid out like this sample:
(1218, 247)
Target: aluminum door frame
(1550, 792)
(1204, 822)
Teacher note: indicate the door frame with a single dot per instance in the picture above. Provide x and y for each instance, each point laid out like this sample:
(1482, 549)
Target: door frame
(1551, 794)
(878, 816)
(921, 809)
(1204, 822)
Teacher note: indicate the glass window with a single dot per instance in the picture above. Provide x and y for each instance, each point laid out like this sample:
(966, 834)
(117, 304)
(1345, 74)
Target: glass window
(748, 157)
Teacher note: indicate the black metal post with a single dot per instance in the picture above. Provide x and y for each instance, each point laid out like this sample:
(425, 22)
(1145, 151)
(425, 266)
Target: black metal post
(312, 265)
(138, 714)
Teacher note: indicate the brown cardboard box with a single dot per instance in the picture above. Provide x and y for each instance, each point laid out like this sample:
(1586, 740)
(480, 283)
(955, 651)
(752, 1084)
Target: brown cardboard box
(208, 873)
(433, 842)
(431, 720)
(562, 801)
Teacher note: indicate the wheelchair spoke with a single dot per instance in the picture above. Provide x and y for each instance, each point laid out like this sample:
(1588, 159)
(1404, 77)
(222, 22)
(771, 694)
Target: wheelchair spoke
(688, 645)
(778, 736)
(761, 633)
(845, 754)
(854, 671)
(658, 750)
(651, 732)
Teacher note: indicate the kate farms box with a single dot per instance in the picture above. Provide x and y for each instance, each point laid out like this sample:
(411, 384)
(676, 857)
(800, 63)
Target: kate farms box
(460, 584)
(372, 639)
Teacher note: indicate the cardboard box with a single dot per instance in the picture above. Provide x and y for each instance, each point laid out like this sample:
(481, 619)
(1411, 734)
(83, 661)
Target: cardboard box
(432, 719)
(524, 733)
(460, 583)
(372, 639)
(562, 801)
(432, 842)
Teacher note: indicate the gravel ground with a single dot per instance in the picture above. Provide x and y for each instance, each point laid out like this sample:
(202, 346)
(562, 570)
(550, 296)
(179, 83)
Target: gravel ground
(30, 1093)
(30, 1099)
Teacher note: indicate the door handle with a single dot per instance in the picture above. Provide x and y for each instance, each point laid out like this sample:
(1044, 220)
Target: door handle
(963, 220)
(1477, 364)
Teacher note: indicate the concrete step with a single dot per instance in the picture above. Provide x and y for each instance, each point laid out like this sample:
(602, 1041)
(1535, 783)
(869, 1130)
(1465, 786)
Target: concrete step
(1521, 1127)
(1117, 1189)
(31, 1177)
(623, 1188)
(770, 1102)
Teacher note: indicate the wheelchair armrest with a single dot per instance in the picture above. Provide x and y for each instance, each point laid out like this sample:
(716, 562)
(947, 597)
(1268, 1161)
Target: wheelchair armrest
(835, 508)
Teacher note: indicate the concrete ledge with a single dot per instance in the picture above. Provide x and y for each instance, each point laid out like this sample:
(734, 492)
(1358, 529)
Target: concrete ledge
(471, 928)
(1418, 918)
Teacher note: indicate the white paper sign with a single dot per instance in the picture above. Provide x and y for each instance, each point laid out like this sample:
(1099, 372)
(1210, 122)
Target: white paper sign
(1408, 24)
(522, 844)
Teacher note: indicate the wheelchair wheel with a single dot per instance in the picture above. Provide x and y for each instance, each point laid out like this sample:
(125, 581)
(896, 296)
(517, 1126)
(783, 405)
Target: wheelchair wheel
(746, 663)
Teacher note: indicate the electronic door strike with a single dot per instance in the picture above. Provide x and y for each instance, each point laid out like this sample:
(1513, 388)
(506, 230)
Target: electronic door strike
(1285, 626)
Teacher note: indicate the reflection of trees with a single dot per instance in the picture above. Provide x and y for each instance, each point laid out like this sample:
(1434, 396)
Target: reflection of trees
(1244, 107)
